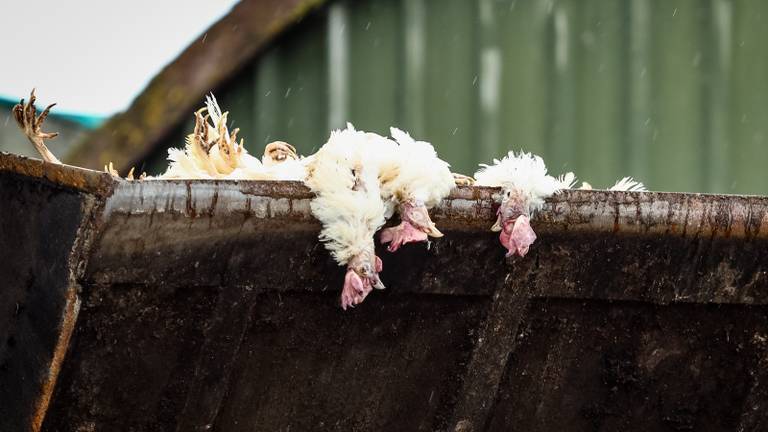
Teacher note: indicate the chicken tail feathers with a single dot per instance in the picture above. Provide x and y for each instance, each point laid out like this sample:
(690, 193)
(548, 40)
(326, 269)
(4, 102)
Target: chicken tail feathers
(628, 184)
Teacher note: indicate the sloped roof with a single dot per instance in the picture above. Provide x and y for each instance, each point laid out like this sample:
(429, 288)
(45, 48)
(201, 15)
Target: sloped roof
(216, 55)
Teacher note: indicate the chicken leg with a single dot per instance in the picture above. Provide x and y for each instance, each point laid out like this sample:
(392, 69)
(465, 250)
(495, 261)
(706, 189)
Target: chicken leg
(25, 115)
(200, 142)
(227, 145)
(415, 226)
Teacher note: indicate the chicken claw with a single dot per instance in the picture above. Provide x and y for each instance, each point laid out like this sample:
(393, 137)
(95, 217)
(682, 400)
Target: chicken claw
(110, 169)
(415, 226)
(463, 180)
(30, 124)
(201, 135)
(401, 234)
(279, 151)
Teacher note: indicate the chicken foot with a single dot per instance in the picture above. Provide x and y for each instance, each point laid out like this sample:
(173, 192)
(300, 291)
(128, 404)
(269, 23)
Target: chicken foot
(415, 226)
(30, 124)
(280, 151)
(463, 180)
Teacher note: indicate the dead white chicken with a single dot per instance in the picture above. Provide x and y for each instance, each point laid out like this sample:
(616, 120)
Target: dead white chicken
(30, 123)
(211, 152)
(413, 180)
(525, 185)
(345, 179)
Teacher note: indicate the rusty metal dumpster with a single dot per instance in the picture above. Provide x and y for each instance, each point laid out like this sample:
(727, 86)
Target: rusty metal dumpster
(210, 305)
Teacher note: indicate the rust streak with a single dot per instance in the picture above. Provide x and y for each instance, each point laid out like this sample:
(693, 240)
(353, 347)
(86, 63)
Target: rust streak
(67, 327)
(87, 180)
(190, 207)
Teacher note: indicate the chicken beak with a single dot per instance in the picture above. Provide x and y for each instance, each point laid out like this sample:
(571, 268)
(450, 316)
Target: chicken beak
(497, 226)
(376, 282)
(432, 231)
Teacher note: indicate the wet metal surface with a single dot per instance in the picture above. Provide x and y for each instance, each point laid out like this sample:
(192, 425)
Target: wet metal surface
(39, 223)
(210, 305)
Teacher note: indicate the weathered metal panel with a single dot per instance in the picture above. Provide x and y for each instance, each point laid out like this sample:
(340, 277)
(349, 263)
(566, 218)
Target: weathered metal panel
(637, 367)
(132, 358)
(43, 233)
(37, 239)
(210, 305)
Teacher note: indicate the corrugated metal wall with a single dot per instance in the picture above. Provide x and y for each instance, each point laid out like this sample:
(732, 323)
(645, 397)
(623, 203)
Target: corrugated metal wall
(673, 92)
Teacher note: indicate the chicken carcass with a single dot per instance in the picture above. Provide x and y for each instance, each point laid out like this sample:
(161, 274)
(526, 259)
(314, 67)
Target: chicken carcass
(211, 151)
(524, 184)
(413, 180)
(344, 175)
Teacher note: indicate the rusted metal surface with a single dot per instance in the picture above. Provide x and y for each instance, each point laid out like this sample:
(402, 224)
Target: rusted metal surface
(210, 305)
(67, 326)
(93, 182)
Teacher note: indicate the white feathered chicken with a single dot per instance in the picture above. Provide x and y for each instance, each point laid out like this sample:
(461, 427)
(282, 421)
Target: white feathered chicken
(413, 180)
(344, 175)
(525, 184)
(214, 152)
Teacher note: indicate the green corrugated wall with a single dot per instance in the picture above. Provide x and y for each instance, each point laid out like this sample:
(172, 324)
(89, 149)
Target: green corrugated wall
(673, 92)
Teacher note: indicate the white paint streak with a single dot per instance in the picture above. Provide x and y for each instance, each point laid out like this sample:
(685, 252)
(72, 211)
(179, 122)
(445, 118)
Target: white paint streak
(561, 39)
(490, 80)
(415, 21)
(338, 65)
(723, 22)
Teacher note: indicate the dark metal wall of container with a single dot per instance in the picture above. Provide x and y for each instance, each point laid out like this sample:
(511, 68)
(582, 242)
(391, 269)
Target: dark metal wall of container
(206, 305)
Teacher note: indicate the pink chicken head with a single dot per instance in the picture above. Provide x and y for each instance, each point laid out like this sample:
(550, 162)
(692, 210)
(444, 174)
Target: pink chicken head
(362, 276)
(513, 220)
(415, 226)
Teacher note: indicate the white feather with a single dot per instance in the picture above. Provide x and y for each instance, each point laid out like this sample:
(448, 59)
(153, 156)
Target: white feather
(567, 180)
(183, 167)
(419, 173)
(523, 172)
(291, 169)
(213, 108)
(628, 184)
